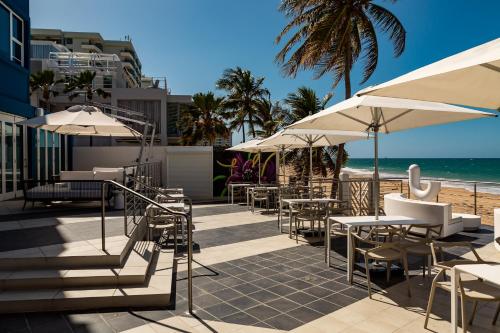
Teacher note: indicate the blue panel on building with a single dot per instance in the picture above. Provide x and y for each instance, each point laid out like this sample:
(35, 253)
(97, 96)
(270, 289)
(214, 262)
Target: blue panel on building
(15, 58)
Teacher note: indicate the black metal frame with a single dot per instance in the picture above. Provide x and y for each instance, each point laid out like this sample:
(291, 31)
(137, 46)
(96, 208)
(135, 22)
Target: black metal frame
(68, 190)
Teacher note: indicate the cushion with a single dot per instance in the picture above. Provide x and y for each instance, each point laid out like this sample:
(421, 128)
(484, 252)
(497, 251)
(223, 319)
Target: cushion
(77, 175)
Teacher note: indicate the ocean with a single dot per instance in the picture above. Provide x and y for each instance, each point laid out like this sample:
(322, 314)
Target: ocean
(456, 170)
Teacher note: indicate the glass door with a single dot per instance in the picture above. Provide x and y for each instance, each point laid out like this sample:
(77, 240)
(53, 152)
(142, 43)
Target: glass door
(12, 156)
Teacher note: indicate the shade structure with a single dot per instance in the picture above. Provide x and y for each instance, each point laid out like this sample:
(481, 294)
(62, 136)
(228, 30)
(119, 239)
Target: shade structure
(384, 114)
(81, 120)
(471, 78)
(302, 138)
(253, 147)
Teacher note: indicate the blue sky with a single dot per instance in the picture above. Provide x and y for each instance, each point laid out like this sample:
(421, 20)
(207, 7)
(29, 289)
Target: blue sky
(192, 41)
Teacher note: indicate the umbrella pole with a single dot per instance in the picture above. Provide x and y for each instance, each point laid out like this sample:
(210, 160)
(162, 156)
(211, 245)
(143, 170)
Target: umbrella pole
(375, 174)
(284, 167)
(259, 167)
(310, 170)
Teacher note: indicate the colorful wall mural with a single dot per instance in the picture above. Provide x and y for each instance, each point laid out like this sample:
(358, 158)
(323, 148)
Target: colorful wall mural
(237, 167)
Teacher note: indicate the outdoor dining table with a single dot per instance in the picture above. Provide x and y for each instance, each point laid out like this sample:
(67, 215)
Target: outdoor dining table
(293, 202)
(361, 221)
(489, 273)
(231, 187)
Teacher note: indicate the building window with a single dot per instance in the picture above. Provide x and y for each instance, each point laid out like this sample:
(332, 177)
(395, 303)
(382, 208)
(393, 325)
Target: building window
(68, 41)
(4, 32)
(11, 35)
(107, 81)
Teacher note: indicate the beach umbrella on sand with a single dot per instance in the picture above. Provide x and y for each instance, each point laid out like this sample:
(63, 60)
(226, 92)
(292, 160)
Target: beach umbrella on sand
(252, 147)
(471, 78)
(374, 114)
(81, 120)
(309, 138)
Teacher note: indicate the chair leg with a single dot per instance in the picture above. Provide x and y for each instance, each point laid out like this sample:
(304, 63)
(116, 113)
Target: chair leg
(175, 237)
(367, 269)
(296, 231)
(423, 266)
(388, 271)
(473, 314)
(405, 265)
(496, 315)
(431, 299)
(429, 265)
(464, 315)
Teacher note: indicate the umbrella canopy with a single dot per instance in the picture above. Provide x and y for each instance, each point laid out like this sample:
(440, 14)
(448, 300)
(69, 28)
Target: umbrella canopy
(384, 114)
(252, 146)
(81, 120)
(471, 77)
(302, 138)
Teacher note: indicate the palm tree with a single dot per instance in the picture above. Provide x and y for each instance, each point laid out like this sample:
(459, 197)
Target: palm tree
(244, 91)
(329, 36)
(45, 82)
(83, 83)
(303, 103)
(269, 117)
(205, 121)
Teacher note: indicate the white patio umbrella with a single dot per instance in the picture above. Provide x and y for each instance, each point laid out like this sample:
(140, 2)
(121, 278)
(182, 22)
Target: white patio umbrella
(471, 77)
(81, 120)
(384, 114)
(302, 138)
(252, 147)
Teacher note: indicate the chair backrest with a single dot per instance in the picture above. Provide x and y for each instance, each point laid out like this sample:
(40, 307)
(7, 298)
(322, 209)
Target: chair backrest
(437, 246)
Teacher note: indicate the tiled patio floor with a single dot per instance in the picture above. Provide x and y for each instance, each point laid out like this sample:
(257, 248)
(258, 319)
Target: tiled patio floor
(251, 278)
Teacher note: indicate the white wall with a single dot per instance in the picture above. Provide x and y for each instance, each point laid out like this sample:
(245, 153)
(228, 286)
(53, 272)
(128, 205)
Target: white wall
(188, 167)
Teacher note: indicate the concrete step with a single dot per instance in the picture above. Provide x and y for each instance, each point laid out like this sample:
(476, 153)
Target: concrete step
(156, 292)
(73, 255)
(133, 272)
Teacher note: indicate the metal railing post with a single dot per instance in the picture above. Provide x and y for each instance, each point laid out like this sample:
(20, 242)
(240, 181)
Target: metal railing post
(475, 198)
(103, 215)
(190, 263)
(125, 213)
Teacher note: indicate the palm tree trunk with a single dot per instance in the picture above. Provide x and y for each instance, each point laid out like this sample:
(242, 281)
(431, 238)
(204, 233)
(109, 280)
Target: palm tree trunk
(340, 151)
(243, 130)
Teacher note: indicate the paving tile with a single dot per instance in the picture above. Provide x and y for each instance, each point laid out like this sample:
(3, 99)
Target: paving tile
(227, 294)
(211, 287)
(243, 302)
(283, 322)
(281, 278)
(263, 296)
(340, 299)
(355, 293)
(304, 314)
(301, 297)
(283, 304)
(240, 318)
(246, 288)
(125, 322)
(318, 291)
(299, 284)
(333, 286)
(221, 310)
(206, 300)
(265, 283)
(262, 312)
(282, 290)
(323, 306)
(13, 323)
(231, 281)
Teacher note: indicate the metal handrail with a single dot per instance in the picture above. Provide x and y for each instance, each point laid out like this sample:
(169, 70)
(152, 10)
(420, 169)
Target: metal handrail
(189, 219)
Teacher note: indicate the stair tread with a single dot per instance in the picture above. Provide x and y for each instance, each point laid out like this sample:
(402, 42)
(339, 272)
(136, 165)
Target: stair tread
(136, 264)
(156, 285)
(114, 246)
